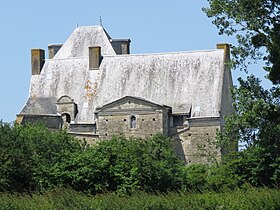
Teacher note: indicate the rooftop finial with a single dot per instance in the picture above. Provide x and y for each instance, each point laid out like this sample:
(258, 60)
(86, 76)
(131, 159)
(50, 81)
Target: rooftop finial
(77, 25)
(100, 19)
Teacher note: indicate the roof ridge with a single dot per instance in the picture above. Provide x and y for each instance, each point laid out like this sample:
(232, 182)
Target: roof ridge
(164, 53)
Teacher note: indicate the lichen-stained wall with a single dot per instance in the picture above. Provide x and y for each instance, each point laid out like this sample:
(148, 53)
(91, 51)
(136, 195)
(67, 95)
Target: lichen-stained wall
(197, 144)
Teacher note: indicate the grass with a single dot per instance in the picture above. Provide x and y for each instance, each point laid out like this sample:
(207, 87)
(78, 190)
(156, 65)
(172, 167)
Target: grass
(250, 198)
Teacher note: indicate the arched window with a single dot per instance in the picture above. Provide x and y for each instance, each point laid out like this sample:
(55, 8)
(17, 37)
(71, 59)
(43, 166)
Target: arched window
(66, 117)
(132, 122)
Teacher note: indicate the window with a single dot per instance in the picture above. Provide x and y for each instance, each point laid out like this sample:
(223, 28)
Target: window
(66, 117)
(132, 122)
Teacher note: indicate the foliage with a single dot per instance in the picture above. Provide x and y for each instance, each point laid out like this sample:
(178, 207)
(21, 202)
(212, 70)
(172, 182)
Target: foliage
(34, 159)
(249, 198)
(195, 178)
(124, 165)
(28, 155)
(257, 123)
(256, 24)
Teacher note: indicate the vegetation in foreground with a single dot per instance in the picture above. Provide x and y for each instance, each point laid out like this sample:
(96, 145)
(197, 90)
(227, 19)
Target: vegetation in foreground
(248, 198)
(33, 159)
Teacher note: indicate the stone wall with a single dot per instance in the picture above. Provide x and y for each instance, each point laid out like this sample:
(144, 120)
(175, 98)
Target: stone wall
(147, 124)
(196, 143)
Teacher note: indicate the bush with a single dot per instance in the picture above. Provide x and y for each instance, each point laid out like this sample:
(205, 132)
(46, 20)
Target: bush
(29, 154)
(195, 177)
(124, 165)
(34, 159)
(250, 198)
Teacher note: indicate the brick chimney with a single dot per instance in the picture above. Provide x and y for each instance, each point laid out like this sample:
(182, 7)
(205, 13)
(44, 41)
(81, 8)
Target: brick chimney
(121, 46)
(37, 61)
(226, 48)
(94, 57)
(53, 49)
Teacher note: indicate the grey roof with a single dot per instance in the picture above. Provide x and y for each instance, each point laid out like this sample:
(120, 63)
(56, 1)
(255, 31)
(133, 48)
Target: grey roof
(83, 37)
(40, 106)
(172, 79)
(181, 109)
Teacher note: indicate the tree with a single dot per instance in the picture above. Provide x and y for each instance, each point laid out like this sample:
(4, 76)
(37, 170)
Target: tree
(256, 24)
(257, 123)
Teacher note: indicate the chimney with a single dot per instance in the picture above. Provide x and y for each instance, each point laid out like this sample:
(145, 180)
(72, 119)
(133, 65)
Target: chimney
(53, 49)
(94, 57)
(121, 46)
(226, 48)
(37, 60)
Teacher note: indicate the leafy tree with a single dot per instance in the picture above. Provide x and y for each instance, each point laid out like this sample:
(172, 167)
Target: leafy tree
(29, 154)
(256, 24)
(257, 123)
(124, 165)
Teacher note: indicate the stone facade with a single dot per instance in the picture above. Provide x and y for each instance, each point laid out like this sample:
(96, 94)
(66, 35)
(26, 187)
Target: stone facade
(94, 88)
(195, 143)
(132, 116)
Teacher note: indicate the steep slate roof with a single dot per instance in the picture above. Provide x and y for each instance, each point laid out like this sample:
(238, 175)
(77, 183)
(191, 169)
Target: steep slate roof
(180, 79)
(40, 106)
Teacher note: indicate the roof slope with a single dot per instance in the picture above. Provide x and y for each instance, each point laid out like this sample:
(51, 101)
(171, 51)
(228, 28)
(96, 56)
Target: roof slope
(173, 79)
(83, 37)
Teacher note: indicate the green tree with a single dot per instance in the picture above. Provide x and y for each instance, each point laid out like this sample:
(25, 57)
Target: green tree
(257, 123)
(256, 25)
(124, 165)
(29, 155)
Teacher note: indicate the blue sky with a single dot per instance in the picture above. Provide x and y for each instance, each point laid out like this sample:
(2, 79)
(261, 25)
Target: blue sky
(152, 26)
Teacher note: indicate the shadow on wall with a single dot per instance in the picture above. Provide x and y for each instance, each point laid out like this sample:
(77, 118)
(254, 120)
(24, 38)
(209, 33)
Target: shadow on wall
(178, 148)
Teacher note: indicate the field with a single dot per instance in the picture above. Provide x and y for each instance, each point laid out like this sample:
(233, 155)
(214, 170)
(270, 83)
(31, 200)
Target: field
(250, 198)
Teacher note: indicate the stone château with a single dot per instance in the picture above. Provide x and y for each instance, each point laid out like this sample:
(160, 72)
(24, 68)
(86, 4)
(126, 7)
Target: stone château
(92, 86)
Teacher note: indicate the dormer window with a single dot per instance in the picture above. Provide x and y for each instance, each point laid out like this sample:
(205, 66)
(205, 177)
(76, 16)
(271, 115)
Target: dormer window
(133, 122)
(65, 104)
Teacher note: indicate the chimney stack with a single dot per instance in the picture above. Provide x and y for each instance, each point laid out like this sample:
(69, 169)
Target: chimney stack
(226, 48)
(94, 57)
(121, 46)
(37, 60)
(53, 49)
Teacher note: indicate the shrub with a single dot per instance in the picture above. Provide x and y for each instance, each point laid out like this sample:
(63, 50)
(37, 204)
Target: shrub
(28, 155)
(124, 165)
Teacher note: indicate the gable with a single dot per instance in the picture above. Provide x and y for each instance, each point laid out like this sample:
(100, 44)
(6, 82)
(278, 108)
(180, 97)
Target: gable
(129, 103)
